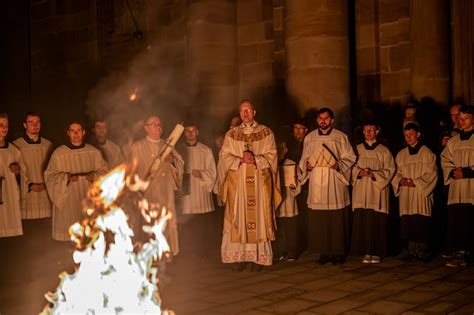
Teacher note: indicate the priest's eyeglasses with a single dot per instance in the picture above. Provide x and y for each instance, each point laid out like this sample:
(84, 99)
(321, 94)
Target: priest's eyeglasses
(155, 125)
(246, 111)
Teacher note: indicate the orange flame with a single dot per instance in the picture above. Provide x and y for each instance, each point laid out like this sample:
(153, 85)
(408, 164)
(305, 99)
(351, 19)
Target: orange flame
(134, 95)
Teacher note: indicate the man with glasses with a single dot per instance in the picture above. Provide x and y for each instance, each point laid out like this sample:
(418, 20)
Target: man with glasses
(249, 188)
(36, 150)
(162, 187)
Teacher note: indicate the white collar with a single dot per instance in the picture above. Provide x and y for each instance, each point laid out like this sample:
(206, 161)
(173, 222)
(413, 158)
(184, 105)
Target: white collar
(152, 140)
(253, 124)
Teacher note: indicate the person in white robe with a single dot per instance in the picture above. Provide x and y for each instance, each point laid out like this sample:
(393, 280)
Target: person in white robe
(35, 150)
(196, 202)
(414, 183)
(371, 176)
(326, 162)
(457, 161)
(286, 242)
(162, 188)
(11, 165)
(110, 151)
(249, 188)
(440, 221)
(72, 168)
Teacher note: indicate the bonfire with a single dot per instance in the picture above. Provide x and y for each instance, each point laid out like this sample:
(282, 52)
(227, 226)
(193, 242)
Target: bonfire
(113, 276)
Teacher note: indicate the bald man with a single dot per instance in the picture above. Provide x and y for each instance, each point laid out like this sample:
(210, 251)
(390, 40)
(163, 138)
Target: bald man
(249, 188)
(170, 176)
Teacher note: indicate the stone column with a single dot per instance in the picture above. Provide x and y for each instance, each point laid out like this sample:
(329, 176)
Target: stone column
(318, 56)
(429, 28)
(462, 58)
(212, 59)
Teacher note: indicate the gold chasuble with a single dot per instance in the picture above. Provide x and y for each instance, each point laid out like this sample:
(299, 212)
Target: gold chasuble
(250, 193)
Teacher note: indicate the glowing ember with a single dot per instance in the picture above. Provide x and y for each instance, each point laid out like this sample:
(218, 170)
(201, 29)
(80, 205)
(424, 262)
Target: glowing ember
(111, 278)
(133, 96)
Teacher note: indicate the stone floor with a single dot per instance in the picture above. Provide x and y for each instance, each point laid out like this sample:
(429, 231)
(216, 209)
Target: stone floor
(190, 285)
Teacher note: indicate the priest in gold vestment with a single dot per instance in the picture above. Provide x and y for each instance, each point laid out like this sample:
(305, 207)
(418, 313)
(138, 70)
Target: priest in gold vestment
(249, 188)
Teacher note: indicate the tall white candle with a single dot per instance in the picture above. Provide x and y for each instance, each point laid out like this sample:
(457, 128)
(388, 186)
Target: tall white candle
(172, 139)
(168, 146)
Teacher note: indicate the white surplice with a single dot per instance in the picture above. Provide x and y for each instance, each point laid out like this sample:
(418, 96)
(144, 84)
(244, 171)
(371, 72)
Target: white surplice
(421, 168)
(10, 215)
(199, 200)
(66, 195)
(372, 193)
(111, 153)
(328, 188)
(34, 205)
(458, 153)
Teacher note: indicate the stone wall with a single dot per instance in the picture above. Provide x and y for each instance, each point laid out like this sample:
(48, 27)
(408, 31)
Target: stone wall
(383, 51)
(462, 48)
(317, 44)
(200, 57)
(256, 46)
(211, 61)
(63, 43)
(402, 51)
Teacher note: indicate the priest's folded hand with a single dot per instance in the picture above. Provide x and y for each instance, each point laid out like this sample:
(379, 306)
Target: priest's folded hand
(37, 187)
(248, 158)
(72, 178)
(15, 168)
(196, 173)
(457, 173)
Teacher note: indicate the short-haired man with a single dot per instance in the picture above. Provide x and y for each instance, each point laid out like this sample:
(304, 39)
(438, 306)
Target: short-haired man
(457, 161)
(249, 189)
(414, 182)
(326, 162)
(11, 164)
(71, 170)
(454, 128)
(197, 205)
(36, 150)
(162, 187)
(371, 176)
(110, 151)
